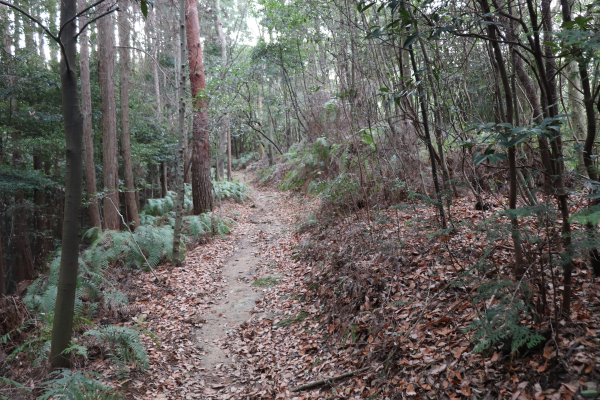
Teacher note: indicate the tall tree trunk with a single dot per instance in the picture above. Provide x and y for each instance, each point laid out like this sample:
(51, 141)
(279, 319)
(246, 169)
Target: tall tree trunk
(23, 256)
(88, 139)
(437, 114)
(151, 29)
(590, 138)
(180, 137)
(577, 111)
(225, 136)
(110, 152)
(428, 143)
(2, 283)
(201, 181)
(512, 161)
(163, 179)
(124, 33)
(44, 238)
(69, 262)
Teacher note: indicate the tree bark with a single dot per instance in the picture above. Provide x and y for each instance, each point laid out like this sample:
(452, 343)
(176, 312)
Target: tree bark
(88, 139)
(578, 118)
(2, 283)
(124, 33)
(428, 139)
(23, 256)
(44, 238)
(201, 180)
(110, 153)
(512, 162)
(225, 134)
(163, 179)
(180, 137)
(67, 281)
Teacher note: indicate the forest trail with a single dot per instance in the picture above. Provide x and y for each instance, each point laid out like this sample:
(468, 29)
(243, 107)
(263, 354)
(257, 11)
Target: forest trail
(198, 312)
(239, 295)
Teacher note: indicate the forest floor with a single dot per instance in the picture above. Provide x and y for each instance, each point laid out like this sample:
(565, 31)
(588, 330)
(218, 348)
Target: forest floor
(280, 303)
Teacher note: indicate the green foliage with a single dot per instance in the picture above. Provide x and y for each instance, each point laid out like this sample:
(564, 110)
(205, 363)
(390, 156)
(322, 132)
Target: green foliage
(13, 180)
(166, 205)
(312, 162)
(502, 319)
(203, 224)
(265, 282)
(125, 346)
(243, 161)
(230, 190)
(77, 386)
(292, 320)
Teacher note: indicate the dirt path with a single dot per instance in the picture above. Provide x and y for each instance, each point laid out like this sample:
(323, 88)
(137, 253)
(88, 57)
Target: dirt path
(205, 301)
(240, 295)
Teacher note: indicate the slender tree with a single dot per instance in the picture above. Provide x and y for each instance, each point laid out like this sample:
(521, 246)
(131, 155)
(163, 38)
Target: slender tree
(180, 135)
(225, 134)
(110, 152)
(201, 181)
(67, 280)
(124, 61)
(86, 107)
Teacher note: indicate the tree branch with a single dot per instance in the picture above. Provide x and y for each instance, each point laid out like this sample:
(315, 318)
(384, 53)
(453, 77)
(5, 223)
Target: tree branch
(79, 14)
(94, 20)
(55, 38)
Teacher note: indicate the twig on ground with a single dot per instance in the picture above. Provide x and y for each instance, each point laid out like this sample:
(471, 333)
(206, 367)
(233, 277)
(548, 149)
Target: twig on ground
(322, 382)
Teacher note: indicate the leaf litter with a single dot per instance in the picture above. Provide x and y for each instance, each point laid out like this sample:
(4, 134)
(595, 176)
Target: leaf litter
(353, 293)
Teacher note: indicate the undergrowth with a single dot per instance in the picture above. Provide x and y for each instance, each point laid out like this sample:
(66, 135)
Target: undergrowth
(144, 249)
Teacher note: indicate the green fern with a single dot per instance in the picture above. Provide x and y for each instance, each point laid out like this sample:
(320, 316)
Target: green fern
(77, 386)
(125, 344)
(502, 319)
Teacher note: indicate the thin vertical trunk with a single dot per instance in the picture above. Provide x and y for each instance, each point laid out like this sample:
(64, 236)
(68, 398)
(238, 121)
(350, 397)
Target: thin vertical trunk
(86, 107)
(124, 33)
(577, 111)
(590, 138)
(163, 179)
(181, 137)
(110, 152)
(2, 283)
(437, 114)
(43, 240)
(67, 281)
(201, 181)
(151, 29)
(428, 138)
(23, 256)
(224, 136)
(512, 160)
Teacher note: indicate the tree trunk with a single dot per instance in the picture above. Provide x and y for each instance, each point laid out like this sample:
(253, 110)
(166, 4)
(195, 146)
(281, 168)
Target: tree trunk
(23, 256)
(181, 138)
(512, 161)
(163, 179)
(110, 152)
(201, 181)
(67, 281)
(590, 138)
(2, 283)
(428, 140)
(225, 134)
(124, 33)
(44, 237)
(577, 111)
(88, 139)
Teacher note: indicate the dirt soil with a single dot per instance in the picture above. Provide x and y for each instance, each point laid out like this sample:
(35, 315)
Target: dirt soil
(240, 297)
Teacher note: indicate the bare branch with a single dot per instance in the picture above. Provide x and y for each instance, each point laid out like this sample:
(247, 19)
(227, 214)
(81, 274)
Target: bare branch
(55, 38)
